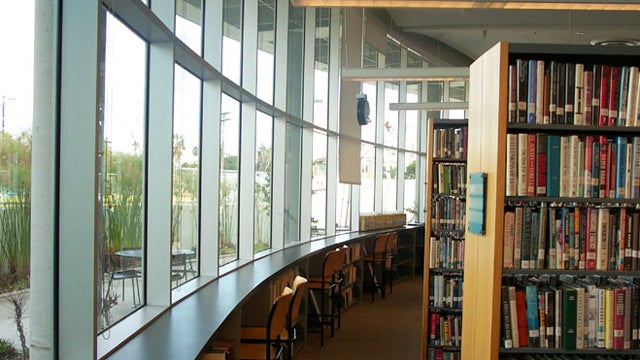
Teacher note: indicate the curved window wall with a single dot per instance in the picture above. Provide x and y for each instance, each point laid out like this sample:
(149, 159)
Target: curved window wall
(197, 120)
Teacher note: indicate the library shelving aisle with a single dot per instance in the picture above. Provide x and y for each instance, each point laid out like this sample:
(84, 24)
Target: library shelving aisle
(555, 275)
(444, 254)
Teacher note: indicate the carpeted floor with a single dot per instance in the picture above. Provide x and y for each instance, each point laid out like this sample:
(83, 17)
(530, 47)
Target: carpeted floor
(388, 328)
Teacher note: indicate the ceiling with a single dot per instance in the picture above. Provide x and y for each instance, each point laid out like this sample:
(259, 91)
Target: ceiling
(473, 31)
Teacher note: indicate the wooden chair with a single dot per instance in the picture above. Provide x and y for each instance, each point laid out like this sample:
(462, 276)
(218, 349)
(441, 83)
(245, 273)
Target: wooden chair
(392, 252)
(300, 286)
(327, 285)
(376, 262)
(265, 342)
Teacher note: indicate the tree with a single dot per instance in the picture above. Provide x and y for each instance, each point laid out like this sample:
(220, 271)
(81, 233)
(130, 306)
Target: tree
(410, 171)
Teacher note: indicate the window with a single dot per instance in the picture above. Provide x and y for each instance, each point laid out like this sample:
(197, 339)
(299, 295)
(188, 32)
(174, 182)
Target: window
(390, 127)
(121, 174)
(185, 210)
(266, 49)
(392, 59)
(229, 180)
(188, 26)
(367, 177)
(389, 179)
(321, 73)
(262, 193)
(412, 117)
(411, 206)
(343, 208)
(319, 185)
(368, 132)
(369, 56)
(295, 60)
(292, 173)
(232, 40)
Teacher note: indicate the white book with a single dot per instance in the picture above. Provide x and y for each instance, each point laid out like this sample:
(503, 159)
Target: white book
(632, 98)
(513, 312)
(602, 241)
(540, 92)
(512, 165)
(578, 107)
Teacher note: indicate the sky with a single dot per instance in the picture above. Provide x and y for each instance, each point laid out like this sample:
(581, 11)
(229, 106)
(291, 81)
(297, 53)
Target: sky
(16, 64)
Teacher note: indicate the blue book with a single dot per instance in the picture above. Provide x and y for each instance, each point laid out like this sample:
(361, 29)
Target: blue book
(621, 170)
(531, 93)
(533, 315)
(553, 165)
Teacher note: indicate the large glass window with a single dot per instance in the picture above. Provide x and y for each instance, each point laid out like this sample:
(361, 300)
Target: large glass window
(232, 40)
(295, 60)
(390, 129)
(389, 179)
(189, 23)
(319, 185)
(369, 56)
(121, 178)
(229, 179)
(392, 59)
(411, 205)
(412, 117)
(367, 177)
(263, 161)
(185, 212)
(368, 132)
(343, 207)
(292, 171)
(321, 73)
(266, 49)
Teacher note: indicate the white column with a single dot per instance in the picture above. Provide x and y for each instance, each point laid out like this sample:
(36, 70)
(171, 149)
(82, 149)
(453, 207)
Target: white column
(43, 165)
(159, 163)
(77, 326)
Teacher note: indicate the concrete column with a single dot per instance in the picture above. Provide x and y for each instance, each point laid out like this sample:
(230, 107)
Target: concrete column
(43, 176)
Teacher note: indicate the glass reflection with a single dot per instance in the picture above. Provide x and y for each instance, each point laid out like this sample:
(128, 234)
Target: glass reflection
(367, 177)
(412, 117)
(411, 206)
(185, 212)
(390, 129)
(368, 132)
(319, 185)
(121, 178)
(295, 60)
(188, 27)
(262, 218)
(321, 65)
(389, 179)
(293, 158)
(232, 40)
(266, 49)
(343, 207)
(229, 180)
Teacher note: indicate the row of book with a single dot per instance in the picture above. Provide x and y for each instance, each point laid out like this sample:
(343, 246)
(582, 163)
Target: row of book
(450, 143)
(443, 354)
(540, 164)
(445, 290)
(565, 357)
(448, 213)
(445, 329)
(552, 92)
(449, 178)
(571, 238)
(446, 252)
(570, 316)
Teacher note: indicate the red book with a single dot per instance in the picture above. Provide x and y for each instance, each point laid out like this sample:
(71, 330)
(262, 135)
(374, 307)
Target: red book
(604, 95)
(523, 330)
(433, 327)
(531, 165)
(614, 95)
(541, 161)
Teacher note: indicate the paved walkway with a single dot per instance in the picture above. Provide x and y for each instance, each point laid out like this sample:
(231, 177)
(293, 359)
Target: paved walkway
(8, 330)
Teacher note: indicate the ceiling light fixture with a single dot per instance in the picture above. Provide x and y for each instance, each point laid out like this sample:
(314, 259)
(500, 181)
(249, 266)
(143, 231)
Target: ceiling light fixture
(619, 42)
(620, 5)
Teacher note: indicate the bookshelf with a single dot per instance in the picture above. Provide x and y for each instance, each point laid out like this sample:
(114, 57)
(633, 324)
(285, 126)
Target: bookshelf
(538, 238)
(444, 238)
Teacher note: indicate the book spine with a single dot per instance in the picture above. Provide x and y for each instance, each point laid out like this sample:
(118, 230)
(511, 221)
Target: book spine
(507, 335)
(605, 72)
(609, 313)
(526, 238)
(632, 101)
(533, 320)
(523, 332)
(513, 314)
(592, 236)
(569, 321)
(588, 164)
(540, 92)
(517, 243)
(512, 165)
(618, 319)
(623, 94)
(523, 140)
(541, 164)
(595, 100)
(553, 165)
(522, 69)
(570, 80)
(578, 107)
(509, 239)
(614, 95)
(531, 165)
(542, 235)
(562, 84)
(602, 254)
(532, 91)
(513, 95)
(553, 91)
(588, 97)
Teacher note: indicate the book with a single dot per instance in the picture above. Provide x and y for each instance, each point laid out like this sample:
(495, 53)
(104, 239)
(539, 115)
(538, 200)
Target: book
(623, 94)
(570, 83)
(602, 247)
(578, 98)
(532, 91)
(609, 312)
(592, 238)
(632, 101)
(614, 95)
(569, 321)
(553, 91)
(523, 141)
(517, 238)
(522, 70)
(560, 96)
(605, 72)
(531, 165)
(588, 97)
(521, 304)
(553, 165)
(542, 235)
(540, 92)
(533, 315)
(595, 93)
(618, 318)
(512, 165)
(541, 164)
(513, 95)
(526, 237)
(507, 336)
(513, 314)
(509, 239)
(621, 167)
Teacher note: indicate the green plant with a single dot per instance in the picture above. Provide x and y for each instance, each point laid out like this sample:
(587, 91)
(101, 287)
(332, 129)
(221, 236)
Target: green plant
(7, 350)
(15, 233)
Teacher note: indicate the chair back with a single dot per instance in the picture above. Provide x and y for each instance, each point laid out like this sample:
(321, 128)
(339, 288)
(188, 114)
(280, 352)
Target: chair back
(380, 246)
(299, 286)
(392, 242)
(277, 321)
(333, 262)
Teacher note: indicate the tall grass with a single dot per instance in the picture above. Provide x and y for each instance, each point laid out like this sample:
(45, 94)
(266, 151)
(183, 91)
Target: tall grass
(15, 234)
